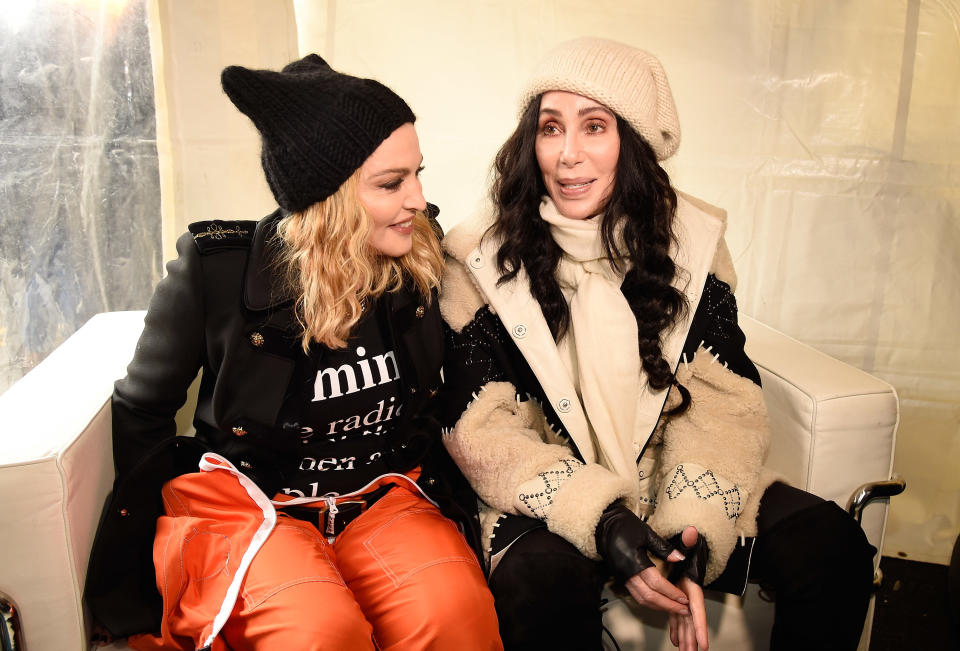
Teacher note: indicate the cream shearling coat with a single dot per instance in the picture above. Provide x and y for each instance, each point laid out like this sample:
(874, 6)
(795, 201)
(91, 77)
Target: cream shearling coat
(702, 468)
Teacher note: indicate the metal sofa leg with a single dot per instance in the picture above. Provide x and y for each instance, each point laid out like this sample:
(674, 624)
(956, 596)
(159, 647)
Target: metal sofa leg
(11, 633)
(869, 492)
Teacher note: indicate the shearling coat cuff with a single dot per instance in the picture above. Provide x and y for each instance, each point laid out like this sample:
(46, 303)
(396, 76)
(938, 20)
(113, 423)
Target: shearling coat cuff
(498, 445)
(580, 502)
(460, 298)
(710, 471)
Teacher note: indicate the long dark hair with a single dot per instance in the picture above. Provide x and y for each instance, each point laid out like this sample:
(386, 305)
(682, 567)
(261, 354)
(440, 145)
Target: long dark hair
(642, 203)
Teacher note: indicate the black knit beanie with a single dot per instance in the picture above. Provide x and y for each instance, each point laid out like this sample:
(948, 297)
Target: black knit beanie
(317, 125)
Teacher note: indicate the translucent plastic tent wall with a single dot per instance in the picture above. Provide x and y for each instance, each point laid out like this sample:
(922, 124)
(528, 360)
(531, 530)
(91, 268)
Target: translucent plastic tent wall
(79, 190)
(829, 130)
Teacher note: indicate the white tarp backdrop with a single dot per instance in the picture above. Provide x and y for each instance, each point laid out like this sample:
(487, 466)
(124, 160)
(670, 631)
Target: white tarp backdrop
(829, 130)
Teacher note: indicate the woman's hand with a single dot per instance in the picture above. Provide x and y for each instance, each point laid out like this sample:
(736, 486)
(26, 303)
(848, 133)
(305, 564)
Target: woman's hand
(623, 540)
(652, 590)
(689, 632)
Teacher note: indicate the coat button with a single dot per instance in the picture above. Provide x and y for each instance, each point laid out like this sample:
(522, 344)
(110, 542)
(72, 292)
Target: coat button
(124, 513)
(519, 331)
(420, 312)
(413, 389)
(432, 392)
(563, 404)
(246, 464)
(256, 339)
(431, 482)
(476, 262)
(239, 431)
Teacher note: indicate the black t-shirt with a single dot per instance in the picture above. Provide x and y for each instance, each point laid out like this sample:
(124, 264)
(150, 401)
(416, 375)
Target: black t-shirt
(349, 399)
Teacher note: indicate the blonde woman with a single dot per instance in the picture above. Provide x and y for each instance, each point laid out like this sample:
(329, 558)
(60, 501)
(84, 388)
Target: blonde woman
(310, 512)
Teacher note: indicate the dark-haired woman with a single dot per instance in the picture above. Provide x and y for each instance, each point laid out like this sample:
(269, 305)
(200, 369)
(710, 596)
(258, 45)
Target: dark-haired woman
(599, 398)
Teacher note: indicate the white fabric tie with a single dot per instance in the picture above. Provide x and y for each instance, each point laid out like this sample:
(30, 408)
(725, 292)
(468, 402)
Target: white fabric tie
(602, 334)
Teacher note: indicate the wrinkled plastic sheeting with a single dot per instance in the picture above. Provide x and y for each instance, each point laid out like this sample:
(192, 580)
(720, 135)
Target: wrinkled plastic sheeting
(79, 187)
(846, 230)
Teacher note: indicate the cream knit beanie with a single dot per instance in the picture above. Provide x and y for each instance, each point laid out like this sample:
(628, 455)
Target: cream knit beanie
(625, 79)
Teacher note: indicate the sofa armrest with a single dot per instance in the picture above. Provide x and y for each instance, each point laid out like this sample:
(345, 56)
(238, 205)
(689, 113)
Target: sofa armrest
(56, 468)
(833, 426)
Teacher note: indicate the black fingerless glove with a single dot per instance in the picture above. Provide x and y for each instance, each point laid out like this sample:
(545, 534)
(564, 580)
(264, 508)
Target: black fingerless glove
(623, 540)
(694, 566)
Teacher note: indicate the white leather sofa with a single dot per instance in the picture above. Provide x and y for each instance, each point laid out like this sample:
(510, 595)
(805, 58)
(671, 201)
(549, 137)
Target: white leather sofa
(834, 429)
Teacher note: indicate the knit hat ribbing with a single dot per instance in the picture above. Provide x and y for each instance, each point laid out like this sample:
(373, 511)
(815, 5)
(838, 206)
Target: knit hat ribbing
(317, 125)
(627, 80)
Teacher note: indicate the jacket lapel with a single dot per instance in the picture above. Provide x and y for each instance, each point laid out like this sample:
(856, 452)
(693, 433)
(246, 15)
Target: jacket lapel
(261, 289)
(416, 331)
(523, 319)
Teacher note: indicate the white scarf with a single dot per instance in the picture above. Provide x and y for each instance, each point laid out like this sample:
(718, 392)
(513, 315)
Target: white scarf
(602, 338)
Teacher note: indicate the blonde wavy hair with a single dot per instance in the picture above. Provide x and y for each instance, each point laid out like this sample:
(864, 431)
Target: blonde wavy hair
(334, 272)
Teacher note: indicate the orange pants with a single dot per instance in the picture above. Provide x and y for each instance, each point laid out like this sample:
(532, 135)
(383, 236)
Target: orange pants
(400, 576)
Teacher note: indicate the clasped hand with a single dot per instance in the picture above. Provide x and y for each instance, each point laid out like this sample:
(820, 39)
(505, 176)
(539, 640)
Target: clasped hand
(624, 540)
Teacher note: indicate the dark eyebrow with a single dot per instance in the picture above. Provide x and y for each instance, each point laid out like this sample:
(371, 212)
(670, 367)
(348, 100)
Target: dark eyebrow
(595, 107)
(584, 111)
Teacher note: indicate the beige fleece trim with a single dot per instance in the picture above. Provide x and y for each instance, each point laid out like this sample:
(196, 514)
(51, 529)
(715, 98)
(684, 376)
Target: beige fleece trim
(500, 453)
(725, 432)
(464, 238)
(460, 298)
(577, 507)
(726, 423)
(496, 447)
(460, 295)
(722, 266)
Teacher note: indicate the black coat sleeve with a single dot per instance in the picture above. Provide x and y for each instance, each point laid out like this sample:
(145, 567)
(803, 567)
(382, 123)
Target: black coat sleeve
(168, 356)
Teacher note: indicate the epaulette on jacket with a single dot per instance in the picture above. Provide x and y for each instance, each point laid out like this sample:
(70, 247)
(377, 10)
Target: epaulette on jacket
(217, 235)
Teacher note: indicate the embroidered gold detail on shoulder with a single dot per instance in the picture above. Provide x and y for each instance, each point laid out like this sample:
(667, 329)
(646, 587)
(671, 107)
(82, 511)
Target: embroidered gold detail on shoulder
(218, 232)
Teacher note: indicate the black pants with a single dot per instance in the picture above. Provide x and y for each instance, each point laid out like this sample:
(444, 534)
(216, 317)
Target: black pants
(810, 555)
